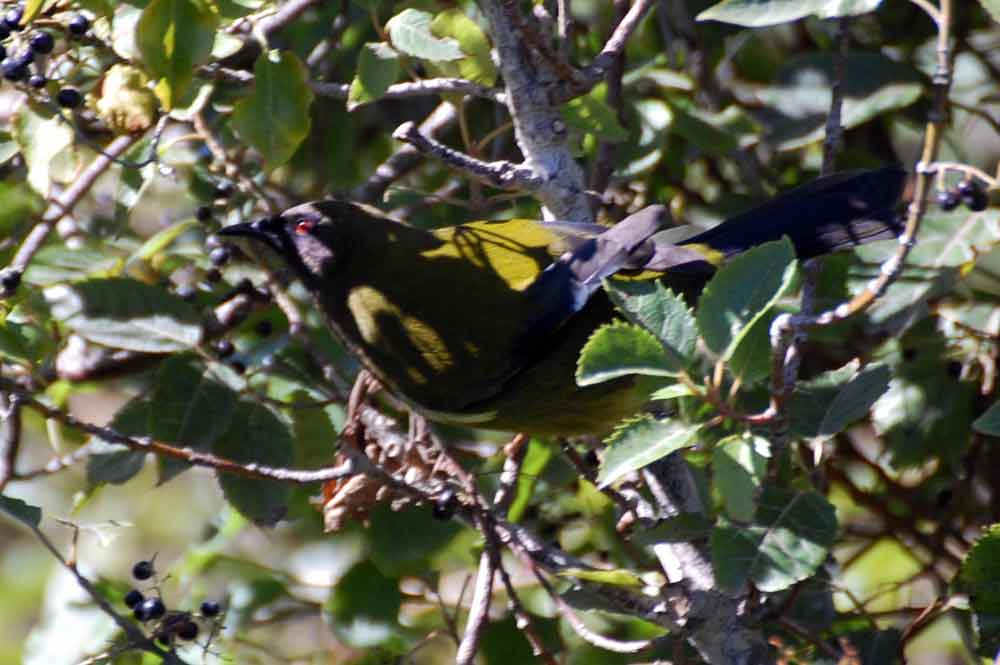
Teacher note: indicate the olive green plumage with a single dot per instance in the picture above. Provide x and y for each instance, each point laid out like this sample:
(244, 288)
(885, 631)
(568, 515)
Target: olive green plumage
(483, 323)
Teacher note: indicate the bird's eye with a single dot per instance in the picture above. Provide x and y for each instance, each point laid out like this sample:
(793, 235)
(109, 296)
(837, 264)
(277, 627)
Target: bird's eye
(305, 226)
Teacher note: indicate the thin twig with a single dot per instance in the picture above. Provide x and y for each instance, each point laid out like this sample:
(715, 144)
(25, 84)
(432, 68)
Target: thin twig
(502, 174)
(479, 610)
(63, 204)
(420, 87)
(193, 457)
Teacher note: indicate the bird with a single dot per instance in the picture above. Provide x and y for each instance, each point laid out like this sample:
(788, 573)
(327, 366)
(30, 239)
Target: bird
(482, 324)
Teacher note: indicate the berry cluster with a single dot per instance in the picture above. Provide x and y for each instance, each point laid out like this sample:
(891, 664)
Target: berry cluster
(22, 53)
(968, 192)
(166, 625)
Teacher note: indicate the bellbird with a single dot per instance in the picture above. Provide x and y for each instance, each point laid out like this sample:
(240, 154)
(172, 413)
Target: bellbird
(482, 323)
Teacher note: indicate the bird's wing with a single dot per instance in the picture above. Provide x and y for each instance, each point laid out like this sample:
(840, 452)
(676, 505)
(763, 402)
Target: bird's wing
(565, 286)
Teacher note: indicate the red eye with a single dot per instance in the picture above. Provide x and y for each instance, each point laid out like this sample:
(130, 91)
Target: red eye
(305, 226)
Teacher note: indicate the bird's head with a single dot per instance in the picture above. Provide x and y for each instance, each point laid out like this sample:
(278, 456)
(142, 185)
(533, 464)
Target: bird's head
(313, 238)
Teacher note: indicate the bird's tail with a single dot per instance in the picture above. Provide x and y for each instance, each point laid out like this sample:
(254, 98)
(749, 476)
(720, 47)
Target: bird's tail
(834, 212)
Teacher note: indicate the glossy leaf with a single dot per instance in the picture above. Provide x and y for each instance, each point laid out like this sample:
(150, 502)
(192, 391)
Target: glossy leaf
(193, 410)
(117, 464)
(757, 13)
(20, 510)
(363, 609)
(979, 575)
(275, 119)
(256, 436)
(477, 65)
(740, 464)
(410, 32)
(789, 539)
(649, 304)
(378, 68)
(741, 292)
(795, 106)
(174, 38)
(619, 349)
(126, 314)
(639, 442)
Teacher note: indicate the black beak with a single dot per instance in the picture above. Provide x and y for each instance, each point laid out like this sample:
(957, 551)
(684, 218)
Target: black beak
(268, 230)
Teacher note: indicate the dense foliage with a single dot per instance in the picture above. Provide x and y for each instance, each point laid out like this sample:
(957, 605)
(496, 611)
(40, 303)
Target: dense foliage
(185, 478)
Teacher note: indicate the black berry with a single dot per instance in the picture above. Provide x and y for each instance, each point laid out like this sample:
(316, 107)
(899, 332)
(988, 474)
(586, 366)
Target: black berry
(224, 348)
(210, 608)
(151, 608)
(224, 190)
(133, 598)
(263, 328)
(12, 19)
(69, 98)
(4, 30)
(948, 199)
(973, 195)
(186, 292)
(203, 213)
(13, 69)
(212, 241)
(444, 507)
(187, 630)
(78, 24)
(219, 256)
(143, 570)
(9, 281)
(42, 43)
(238, 367)
(37, 81)
(213, 275)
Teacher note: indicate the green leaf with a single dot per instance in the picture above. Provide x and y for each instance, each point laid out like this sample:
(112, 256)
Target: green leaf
(680, 528)
(426, 538)
(618, 349)
(410, 32)
(651, 305)
(855, 399)
(58, 263)
(161, 240)
(31, 9)
(48, 147)
(536, 458)
(640, 442)
(175, 37)
(591, 114)
(275, 119)
(742, 291)
(378, 68)
(192, 410)
(989, 422)
(789, 539)
(126, 314)
(757, 13)
(793, 109)
(979, 575)
(477, 65)
(992, 8)
(826, 405)
(672, 391)
(117, 464)
(616, 577)
(740, 465)
(256, 435)
(363, 609)
(21, 511)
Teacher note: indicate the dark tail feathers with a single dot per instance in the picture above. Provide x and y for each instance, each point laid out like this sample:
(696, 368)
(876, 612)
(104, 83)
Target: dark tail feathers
(830, 213)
